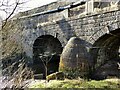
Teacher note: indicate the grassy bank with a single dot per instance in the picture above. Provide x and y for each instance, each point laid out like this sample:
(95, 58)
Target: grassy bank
(108, 84)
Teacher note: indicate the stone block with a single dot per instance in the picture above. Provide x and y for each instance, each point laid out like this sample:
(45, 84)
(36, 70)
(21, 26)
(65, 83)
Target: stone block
(38, 76)
(56, 76)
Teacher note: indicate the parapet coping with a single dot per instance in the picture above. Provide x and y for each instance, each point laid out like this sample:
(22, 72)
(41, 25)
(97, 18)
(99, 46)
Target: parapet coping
(78, 17)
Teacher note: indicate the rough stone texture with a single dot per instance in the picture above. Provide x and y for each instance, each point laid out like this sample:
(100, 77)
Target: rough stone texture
(108, 69)
(77, 10)
(56, 75)
(92, 29)
(73, 58)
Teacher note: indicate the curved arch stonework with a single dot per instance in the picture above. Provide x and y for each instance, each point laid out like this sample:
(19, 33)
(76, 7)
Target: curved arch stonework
(34, 35)
(105, 54)
(54, 34)
(104, 30)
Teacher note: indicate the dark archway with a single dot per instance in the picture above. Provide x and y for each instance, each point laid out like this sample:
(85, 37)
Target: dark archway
(46, 44)
(106, 56)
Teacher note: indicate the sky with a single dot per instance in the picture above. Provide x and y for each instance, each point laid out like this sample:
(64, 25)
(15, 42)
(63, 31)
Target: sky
(27, 6)
(36, 3)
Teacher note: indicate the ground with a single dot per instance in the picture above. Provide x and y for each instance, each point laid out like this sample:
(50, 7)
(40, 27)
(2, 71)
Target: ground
(108, 84)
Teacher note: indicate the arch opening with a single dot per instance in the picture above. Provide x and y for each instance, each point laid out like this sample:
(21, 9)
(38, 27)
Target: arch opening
(46, 54)
(106, 56)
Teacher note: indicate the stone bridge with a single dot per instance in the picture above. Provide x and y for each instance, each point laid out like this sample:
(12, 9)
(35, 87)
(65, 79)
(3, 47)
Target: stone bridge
(48, 28)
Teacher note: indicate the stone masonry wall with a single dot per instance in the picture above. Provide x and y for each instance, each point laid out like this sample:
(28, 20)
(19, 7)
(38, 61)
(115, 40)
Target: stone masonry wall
(89, 28)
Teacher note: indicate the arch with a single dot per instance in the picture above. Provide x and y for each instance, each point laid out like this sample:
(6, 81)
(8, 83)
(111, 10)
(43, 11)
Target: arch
(46, 47)
(103, 30)
(47, 32)
(105, 55)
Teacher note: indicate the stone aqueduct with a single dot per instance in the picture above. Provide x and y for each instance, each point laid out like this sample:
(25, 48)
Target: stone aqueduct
(99, 31)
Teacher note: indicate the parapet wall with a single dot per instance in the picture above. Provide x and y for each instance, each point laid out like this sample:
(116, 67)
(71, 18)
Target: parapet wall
(47, 7)
(58, 11)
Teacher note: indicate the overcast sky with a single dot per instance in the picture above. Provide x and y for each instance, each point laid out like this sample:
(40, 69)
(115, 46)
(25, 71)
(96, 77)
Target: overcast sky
(37, 3)
(29, 5)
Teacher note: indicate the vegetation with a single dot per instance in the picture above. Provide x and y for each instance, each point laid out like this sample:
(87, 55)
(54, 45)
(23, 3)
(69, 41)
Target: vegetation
(108, 84)
(73, 73)
(45, 57)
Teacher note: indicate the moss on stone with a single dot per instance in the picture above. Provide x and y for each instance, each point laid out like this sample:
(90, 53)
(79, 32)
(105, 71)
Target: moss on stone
(57, 75)
(72, 61)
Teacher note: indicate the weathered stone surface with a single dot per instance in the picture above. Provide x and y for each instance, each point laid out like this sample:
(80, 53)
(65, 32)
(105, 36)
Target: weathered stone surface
(73, 58)
(57, 76)
(38, 76)
(109, 69)
(23, 32)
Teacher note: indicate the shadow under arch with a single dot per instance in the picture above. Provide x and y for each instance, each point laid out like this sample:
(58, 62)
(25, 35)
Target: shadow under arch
(50, 44)
(106, 56)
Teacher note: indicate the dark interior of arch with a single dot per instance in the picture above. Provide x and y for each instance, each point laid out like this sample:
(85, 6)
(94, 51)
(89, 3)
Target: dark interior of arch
(50, 45)
(106, 56)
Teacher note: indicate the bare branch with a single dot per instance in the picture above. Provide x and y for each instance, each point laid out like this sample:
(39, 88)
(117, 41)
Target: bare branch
(10, 9)
(10, 15)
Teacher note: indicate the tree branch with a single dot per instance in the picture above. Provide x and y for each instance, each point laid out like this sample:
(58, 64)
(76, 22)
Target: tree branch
(10, 15)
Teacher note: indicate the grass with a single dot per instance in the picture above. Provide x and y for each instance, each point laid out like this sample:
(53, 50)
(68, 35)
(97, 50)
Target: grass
(107, 84)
